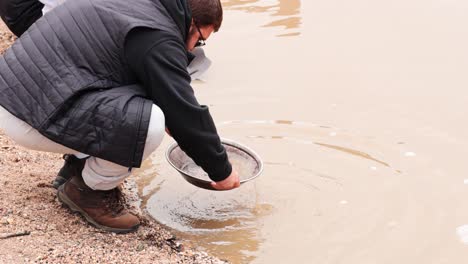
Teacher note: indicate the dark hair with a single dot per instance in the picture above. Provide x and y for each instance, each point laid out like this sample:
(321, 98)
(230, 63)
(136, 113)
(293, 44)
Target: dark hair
(207, 13)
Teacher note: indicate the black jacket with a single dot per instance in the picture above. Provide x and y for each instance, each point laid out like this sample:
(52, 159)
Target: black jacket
(160, 62)
(70, 77)
(19, 15)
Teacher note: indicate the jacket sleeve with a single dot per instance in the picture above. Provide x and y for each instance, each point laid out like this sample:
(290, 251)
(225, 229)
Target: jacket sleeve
(19, 15)
(159, 61)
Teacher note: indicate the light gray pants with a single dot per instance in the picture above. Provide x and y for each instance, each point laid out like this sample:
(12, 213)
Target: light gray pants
(98, 174)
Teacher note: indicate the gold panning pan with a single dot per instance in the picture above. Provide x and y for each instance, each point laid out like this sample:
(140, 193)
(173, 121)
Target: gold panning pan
(247, 163)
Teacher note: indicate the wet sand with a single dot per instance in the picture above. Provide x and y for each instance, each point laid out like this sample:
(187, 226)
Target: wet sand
(358, 111)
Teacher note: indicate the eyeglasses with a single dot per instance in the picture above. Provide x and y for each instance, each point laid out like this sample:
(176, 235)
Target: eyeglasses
(201, 41)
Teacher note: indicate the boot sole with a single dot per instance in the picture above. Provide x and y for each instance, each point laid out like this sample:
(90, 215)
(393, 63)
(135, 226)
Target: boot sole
(75, 208)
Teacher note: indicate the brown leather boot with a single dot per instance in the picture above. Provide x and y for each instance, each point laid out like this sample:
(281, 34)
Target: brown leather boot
(103, 209)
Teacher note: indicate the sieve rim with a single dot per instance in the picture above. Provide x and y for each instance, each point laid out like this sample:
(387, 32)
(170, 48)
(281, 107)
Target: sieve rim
(207, 184)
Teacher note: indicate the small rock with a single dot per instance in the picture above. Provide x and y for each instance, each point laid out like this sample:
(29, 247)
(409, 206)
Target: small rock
(140, 247)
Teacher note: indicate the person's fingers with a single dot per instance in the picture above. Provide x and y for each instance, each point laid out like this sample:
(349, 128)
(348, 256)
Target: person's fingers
(218, 186)
(225, 187)
(237, 183)
(229, 183)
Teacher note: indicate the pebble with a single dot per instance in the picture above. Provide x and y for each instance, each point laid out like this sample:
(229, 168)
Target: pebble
(462, 232)
(140, 247)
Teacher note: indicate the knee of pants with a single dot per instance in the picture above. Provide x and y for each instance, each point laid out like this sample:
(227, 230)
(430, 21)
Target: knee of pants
(156, 131)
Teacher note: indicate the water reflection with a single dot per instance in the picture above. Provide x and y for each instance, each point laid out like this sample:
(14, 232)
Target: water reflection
(224, 224)
(353, 152)
(231, 225)
(304, 141)
(231, 236)
(287, 11)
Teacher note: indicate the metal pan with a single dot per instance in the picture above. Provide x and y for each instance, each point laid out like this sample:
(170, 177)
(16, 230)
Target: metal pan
(248, 164)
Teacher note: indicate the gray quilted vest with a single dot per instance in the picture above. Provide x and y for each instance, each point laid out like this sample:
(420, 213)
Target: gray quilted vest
(67, 77)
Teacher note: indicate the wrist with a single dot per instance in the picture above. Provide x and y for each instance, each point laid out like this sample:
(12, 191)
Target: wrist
(222, 174)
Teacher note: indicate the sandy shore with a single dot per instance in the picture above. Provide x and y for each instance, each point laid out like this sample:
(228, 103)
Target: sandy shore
(36, 228)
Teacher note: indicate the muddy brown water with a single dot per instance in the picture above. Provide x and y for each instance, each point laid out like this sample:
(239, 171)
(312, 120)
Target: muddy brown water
(358, 109)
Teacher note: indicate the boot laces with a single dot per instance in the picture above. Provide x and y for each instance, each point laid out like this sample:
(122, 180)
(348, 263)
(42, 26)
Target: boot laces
(115, 201)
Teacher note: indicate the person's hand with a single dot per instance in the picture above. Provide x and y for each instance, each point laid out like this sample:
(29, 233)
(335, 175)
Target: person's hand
(229, 183)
